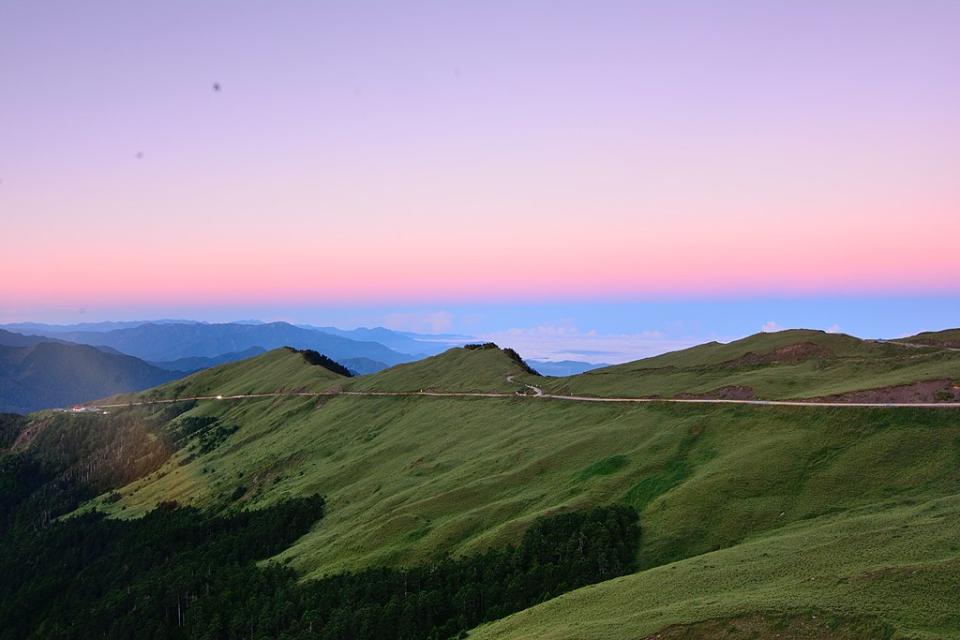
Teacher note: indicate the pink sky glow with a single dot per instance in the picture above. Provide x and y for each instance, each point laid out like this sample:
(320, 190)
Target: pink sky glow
(487, 151)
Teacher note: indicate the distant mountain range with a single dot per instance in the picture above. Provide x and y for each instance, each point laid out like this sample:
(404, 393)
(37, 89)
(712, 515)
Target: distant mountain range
(169, 349)
(196, 363)
(149, 353)
(206, 342)
(562, 368)
(363, 366)
(11, 339)
(42, 328)
(409, 343)
(56, 374)
(173, 341)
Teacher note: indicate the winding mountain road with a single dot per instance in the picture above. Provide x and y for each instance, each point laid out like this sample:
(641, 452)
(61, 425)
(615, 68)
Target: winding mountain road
(537, 391)
(538, 394)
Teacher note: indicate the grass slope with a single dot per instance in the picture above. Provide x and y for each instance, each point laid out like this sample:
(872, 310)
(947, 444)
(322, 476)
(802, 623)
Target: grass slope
(282, 369)
(713, 353)
(458, 369)
(413, 478)
(871, 573)
(745, 511)
(947, 338)
(782, 365)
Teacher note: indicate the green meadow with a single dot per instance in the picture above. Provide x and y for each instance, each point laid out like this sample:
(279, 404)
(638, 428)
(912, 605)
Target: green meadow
(795, 364)
(755, 520)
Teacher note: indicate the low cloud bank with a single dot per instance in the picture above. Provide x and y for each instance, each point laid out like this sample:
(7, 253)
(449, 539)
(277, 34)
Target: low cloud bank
(567, 342)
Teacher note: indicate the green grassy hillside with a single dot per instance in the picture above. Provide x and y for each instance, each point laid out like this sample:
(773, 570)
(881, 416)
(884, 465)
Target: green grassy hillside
(947, 338)
(783, 365)
(752, 517)
(413, 478)
(282, 369)
(285, 369)
(459, 369)
(713, 353)
(869, 573)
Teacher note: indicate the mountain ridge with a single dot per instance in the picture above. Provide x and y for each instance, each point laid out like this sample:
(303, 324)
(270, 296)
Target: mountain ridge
(786, 365)
(172, 341)
(56, 374)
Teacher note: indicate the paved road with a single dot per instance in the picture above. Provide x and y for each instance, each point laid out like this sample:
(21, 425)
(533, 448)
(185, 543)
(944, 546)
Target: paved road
(537, 391)
(539, 394)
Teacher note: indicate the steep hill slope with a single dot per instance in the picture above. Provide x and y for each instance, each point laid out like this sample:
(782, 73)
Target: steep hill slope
(784, 365)
(10, 426)
(54, 374)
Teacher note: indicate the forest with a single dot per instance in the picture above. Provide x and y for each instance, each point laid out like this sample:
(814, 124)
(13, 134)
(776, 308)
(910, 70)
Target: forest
(182, 573)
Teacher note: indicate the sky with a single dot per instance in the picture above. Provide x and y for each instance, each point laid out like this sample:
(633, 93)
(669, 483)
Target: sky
(543, 167)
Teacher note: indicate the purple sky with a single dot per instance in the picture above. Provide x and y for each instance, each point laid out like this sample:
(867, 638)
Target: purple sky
(437, 155)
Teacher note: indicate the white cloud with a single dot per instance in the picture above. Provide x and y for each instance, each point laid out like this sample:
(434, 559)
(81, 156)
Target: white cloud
(432, 322)
(771, 327)
(565, 341)
(546, 330)
(834, 328)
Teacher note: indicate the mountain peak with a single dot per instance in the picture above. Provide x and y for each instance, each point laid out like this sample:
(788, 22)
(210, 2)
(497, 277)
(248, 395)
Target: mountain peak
(319, 360)
(471, 368)
(284, 368)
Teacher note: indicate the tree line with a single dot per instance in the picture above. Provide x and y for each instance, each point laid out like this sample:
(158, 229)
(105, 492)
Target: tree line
(181, 573)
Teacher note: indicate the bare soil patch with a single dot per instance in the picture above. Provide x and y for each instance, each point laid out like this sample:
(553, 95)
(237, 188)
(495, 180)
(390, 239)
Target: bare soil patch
(760, 627)
(925, 391)
(730, 392)
(790, 353)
